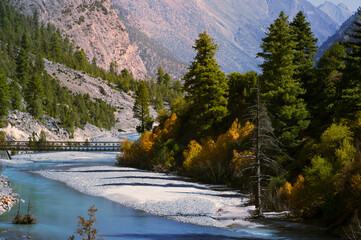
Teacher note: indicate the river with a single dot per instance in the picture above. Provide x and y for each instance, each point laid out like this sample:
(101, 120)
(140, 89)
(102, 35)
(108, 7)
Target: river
(57, 207)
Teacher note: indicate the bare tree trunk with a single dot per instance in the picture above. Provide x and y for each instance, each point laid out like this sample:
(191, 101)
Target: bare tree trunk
(258, 155)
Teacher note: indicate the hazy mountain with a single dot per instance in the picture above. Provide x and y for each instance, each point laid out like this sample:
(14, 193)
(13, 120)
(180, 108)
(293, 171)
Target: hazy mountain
(339, 13)
(96, 27)
(339, 36)
(237, 26)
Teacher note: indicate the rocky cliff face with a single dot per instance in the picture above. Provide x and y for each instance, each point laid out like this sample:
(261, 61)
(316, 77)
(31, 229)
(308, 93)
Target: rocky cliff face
(339, 13)
(92, 25)
(237, 26)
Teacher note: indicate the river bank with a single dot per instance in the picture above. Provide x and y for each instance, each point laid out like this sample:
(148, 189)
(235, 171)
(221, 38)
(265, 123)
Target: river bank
(159, 194)
(7, 197)
(151, 194)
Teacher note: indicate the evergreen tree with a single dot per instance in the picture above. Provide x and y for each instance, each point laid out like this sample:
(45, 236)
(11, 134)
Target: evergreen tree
(280, 89)
(160, 76)
(241, 93)
(81, 60)
(55, 47)
(4, 94)
(167, 79)
(328, 75)
(34, 94)
(39, 64)
(305, 46)
(305, 51)
(206, 86)
(15, 92)
(141, 108)
(349, 88)
(22, 60)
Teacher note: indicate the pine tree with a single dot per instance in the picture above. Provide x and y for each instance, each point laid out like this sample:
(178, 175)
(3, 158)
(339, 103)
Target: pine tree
(81, 60)
(305, 51)
(328, 75)
(206, 86)
(34, 94)
(167, 79)
(55, 47)
(241, 93)
(160, 76)
(15, 92)
(22, 60)
(4, 94)
(305, 46)
(349, 88)
(280, 89)
(141, 108)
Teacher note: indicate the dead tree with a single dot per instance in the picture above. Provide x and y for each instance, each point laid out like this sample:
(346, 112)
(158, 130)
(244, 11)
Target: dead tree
(263, 146)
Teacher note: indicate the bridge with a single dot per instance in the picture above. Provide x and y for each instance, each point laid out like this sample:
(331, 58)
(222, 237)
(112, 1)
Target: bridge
(50, 146)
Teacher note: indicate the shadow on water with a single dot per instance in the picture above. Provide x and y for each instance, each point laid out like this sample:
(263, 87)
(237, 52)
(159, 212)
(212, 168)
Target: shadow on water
(108, 171)
(156, 185)
(175, 237)
(148, 177)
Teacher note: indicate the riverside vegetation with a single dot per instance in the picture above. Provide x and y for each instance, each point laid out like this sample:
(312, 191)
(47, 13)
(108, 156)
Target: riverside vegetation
(308, 122)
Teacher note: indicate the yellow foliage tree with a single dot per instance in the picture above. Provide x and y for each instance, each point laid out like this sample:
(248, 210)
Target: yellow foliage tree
(212, 159)
(142, 153)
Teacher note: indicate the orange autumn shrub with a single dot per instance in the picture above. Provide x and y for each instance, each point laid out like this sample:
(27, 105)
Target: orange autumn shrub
(301, 199)
(285, 193)
(169, 129)
(212, 160)
(144, 152)
(194, 148)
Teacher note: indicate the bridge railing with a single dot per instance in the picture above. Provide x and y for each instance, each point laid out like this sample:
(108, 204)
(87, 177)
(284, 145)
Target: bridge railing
(60, 146)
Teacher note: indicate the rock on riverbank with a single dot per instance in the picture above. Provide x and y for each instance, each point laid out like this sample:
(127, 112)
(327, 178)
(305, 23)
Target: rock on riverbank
(7, 197)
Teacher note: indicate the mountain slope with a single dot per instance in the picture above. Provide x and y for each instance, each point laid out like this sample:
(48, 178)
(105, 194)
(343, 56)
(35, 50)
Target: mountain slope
(237, 26)
(96, 27)
(339, 36)
(339, 13)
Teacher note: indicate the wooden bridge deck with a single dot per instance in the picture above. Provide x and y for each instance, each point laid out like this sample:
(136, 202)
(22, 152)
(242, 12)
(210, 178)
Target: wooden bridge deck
(50, 146)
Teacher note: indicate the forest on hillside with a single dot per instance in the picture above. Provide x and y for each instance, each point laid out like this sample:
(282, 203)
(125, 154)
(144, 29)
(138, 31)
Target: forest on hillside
(289, 136)
(26, 86)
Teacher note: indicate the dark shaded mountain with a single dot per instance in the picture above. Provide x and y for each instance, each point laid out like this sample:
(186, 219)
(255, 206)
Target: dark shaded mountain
(339, 36)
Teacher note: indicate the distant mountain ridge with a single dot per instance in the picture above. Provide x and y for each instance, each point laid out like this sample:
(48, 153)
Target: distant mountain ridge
(237, 26)
(339, 13)
(339, 36)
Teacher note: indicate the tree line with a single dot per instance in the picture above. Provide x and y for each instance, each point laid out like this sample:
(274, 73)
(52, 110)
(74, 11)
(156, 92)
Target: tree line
(26, 86)
(294, 127)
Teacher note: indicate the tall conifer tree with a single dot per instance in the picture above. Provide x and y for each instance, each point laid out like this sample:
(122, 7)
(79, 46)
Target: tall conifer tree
(15, 92)
(206, 86)
(4, 94)
(34, 94)
(305, 51)
(55, 46)
(141, 108)
(22, 60)
(167, 79)
(280, 89)
(160, 76)
(305, 45)
(349, 88)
